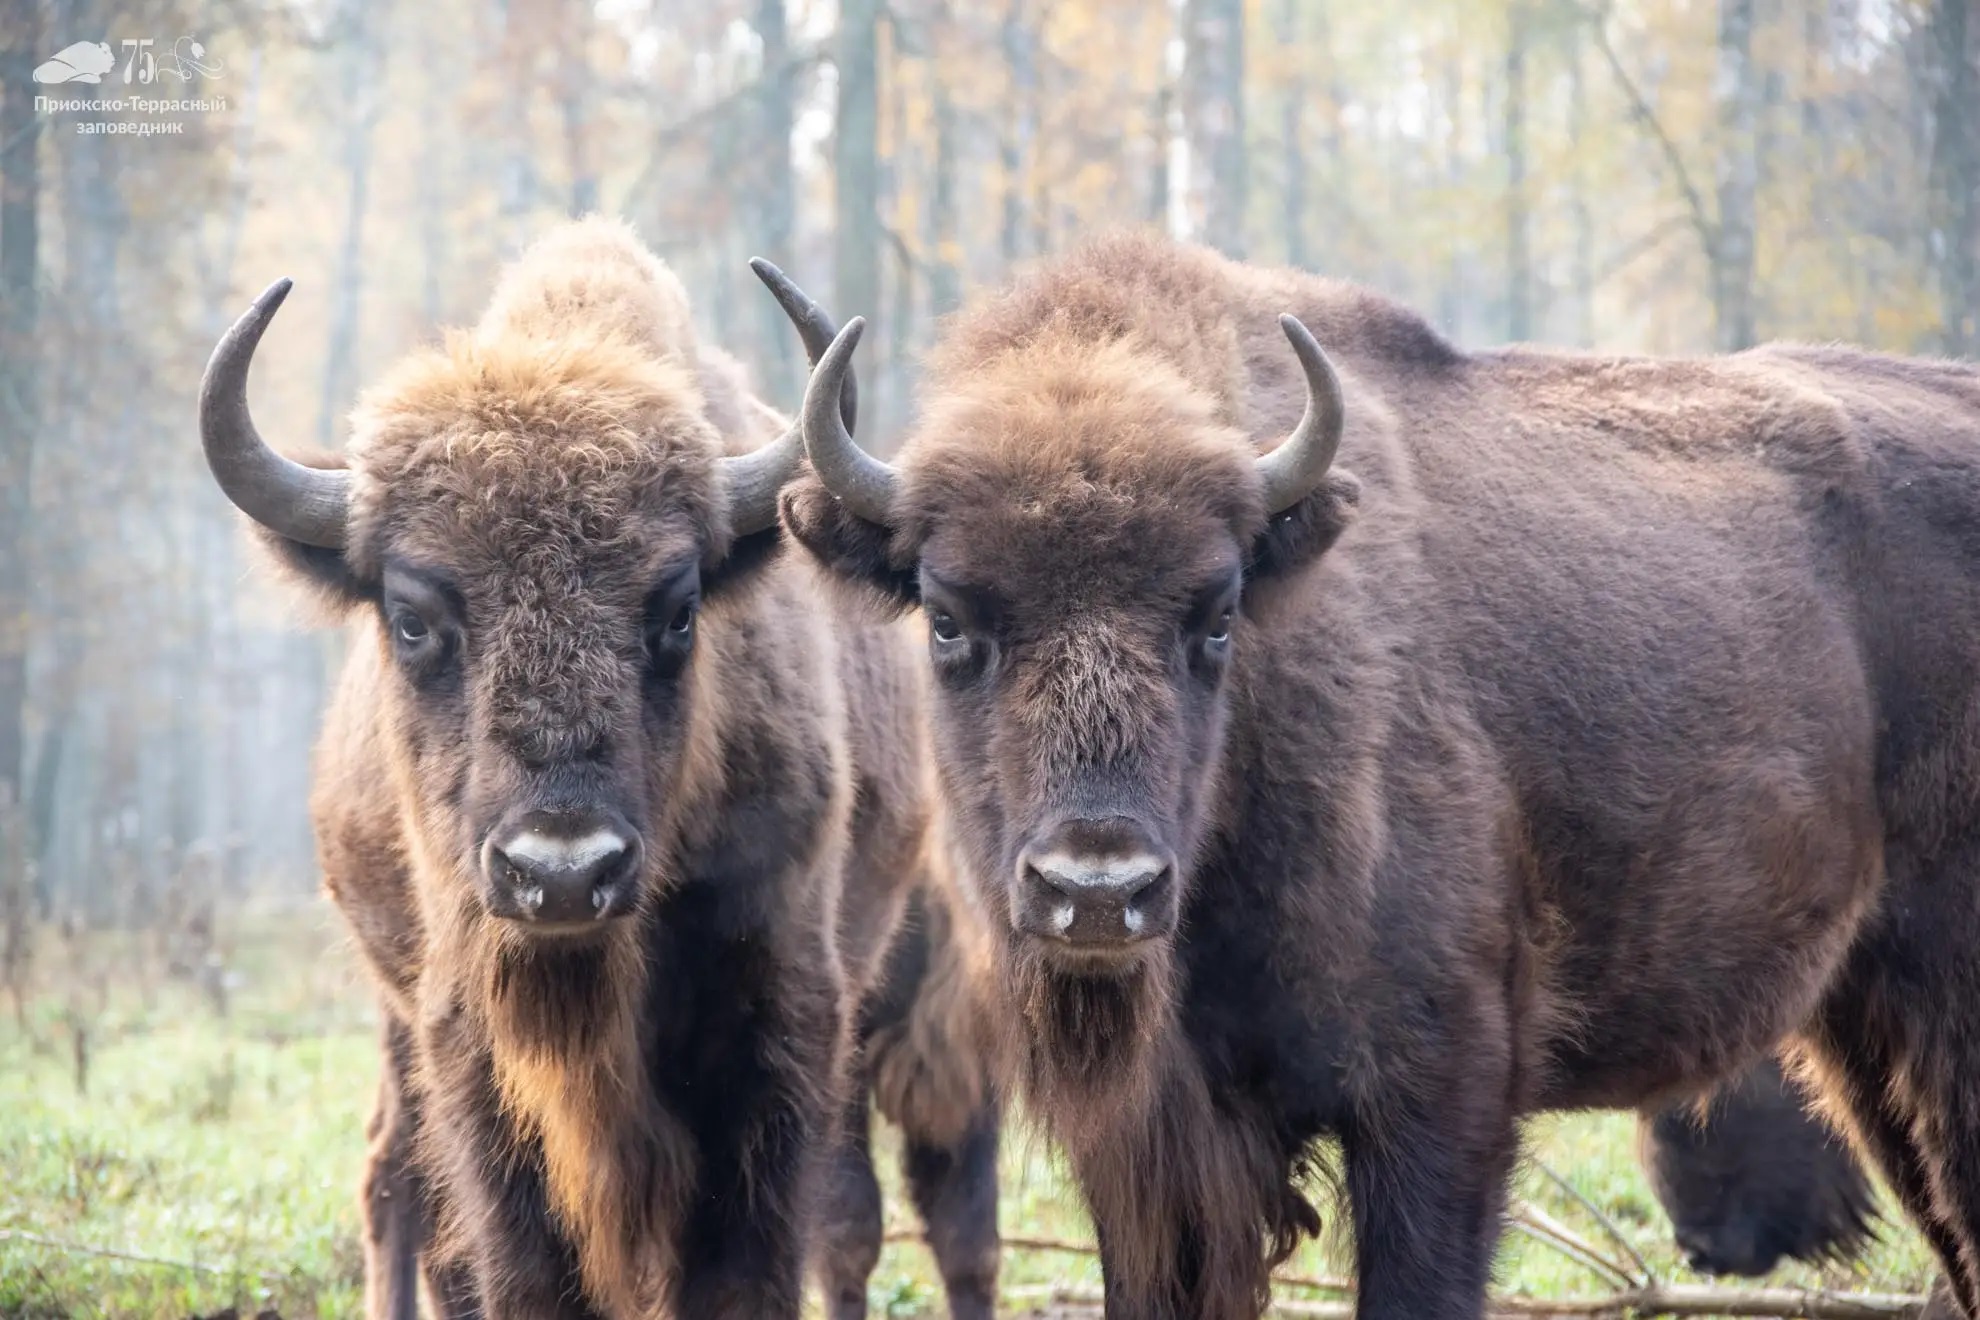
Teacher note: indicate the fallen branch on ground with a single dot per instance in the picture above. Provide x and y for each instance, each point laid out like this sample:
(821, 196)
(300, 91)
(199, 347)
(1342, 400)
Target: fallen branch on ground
(1664, 1299)
(1640, 1299)
(1066, 1247)
(158, 1262)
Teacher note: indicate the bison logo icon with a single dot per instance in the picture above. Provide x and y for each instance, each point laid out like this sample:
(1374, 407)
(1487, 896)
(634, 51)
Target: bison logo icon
(85, 61)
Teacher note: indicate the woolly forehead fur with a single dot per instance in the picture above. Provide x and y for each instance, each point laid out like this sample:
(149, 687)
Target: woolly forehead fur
(568, 417)
(1062, 402)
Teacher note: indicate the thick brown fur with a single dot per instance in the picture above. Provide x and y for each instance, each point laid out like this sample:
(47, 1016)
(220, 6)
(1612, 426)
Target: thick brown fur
(634, 1121)
(1598, 723)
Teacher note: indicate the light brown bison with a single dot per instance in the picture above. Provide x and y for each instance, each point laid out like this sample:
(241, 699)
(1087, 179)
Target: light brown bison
(622, 818)
(1591, 725)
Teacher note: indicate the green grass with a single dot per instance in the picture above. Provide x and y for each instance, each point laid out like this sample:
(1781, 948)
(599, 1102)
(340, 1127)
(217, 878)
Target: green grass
(233, 1145)
(227, 1144)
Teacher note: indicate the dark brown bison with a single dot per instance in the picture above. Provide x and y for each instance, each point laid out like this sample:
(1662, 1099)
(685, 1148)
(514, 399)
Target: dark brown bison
(1748, 1175)
(621, 817)
(1592, 725)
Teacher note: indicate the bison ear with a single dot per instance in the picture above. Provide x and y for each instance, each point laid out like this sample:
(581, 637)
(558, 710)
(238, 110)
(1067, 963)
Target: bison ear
(323, 576)
(1295, 538)
(747, 557)
(850, 549)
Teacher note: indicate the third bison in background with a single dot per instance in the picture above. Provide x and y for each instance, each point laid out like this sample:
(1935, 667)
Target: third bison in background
(1748, 1175)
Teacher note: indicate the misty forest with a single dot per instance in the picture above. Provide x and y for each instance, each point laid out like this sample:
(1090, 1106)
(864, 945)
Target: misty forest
(185, 1048)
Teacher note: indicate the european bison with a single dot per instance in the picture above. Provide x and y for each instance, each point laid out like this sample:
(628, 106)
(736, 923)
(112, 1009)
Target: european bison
(621, 817)
(1748, 1175)
(1593, 725)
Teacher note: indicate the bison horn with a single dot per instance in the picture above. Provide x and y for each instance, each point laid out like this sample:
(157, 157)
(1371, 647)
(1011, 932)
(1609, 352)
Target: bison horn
(754, 479)
(305, 504)
(863, 483)
(1292, 471)
(814, 327)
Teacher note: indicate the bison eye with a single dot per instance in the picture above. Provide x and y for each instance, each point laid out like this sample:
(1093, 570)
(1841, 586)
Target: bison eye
(670, 615)
(1220, 631)
(944, 627)
(423, 650)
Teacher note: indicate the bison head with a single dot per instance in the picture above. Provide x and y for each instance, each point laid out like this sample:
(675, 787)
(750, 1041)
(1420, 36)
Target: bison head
(533, 520)
(1752, 1176)
(1080, 528)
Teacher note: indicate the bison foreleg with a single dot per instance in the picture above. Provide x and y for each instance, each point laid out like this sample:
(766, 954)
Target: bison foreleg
(1428, 1188)
(849, 1237)
(396, 1224)
(743, 1253)
(520, 1264)
(1901, 1074)
(397, 1203)
(955, 1188)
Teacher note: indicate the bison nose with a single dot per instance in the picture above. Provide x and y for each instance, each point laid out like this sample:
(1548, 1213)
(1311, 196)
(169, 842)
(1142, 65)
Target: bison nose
(1706, 1254)
(1097, 898)
(553, 870)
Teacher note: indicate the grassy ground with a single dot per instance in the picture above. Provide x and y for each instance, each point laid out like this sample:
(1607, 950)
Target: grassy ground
(224, 1151)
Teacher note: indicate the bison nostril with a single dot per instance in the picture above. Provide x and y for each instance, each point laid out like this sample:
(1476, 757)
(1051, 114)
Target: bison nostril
(550, 873)
(1087, 898)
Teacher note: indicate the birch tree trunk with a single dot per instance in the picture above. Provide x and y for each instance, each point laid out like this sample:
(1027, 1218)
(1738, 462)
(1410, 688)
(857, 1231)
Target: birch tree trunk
(945, 277)
(1014, 144)
(20, 402)
(1213, 109)
(1519, 254)
(1292, 145)
(856, 163)
(772, 207)
(1581, 216)
(363, 75)
(1738, 97)
(1955, 174)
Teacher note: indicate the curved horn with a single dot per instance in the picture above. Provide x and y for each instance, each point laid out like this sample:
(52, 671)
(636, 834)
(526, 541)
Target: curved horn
(302, 503)
(1292, 471)
(862, 482)
(754, 479)
(814, 327)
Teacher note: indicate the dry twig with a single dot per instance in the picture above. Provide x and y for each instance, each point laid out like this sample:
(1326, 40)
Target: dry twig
(1542, 1227)
(1644, 1274)
(160, 1262)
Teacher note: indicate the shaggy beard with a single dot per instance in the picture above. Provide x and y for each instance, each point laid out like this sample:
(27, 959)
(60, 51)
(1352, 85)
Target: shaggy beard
(562, 1016)
(1090, 1037)
(570, 1001)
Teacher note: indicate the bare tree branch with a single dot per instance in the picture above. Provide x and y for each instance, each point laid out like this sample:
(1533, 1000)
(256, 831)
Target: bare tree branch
(1702, 220)
(701, 116)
